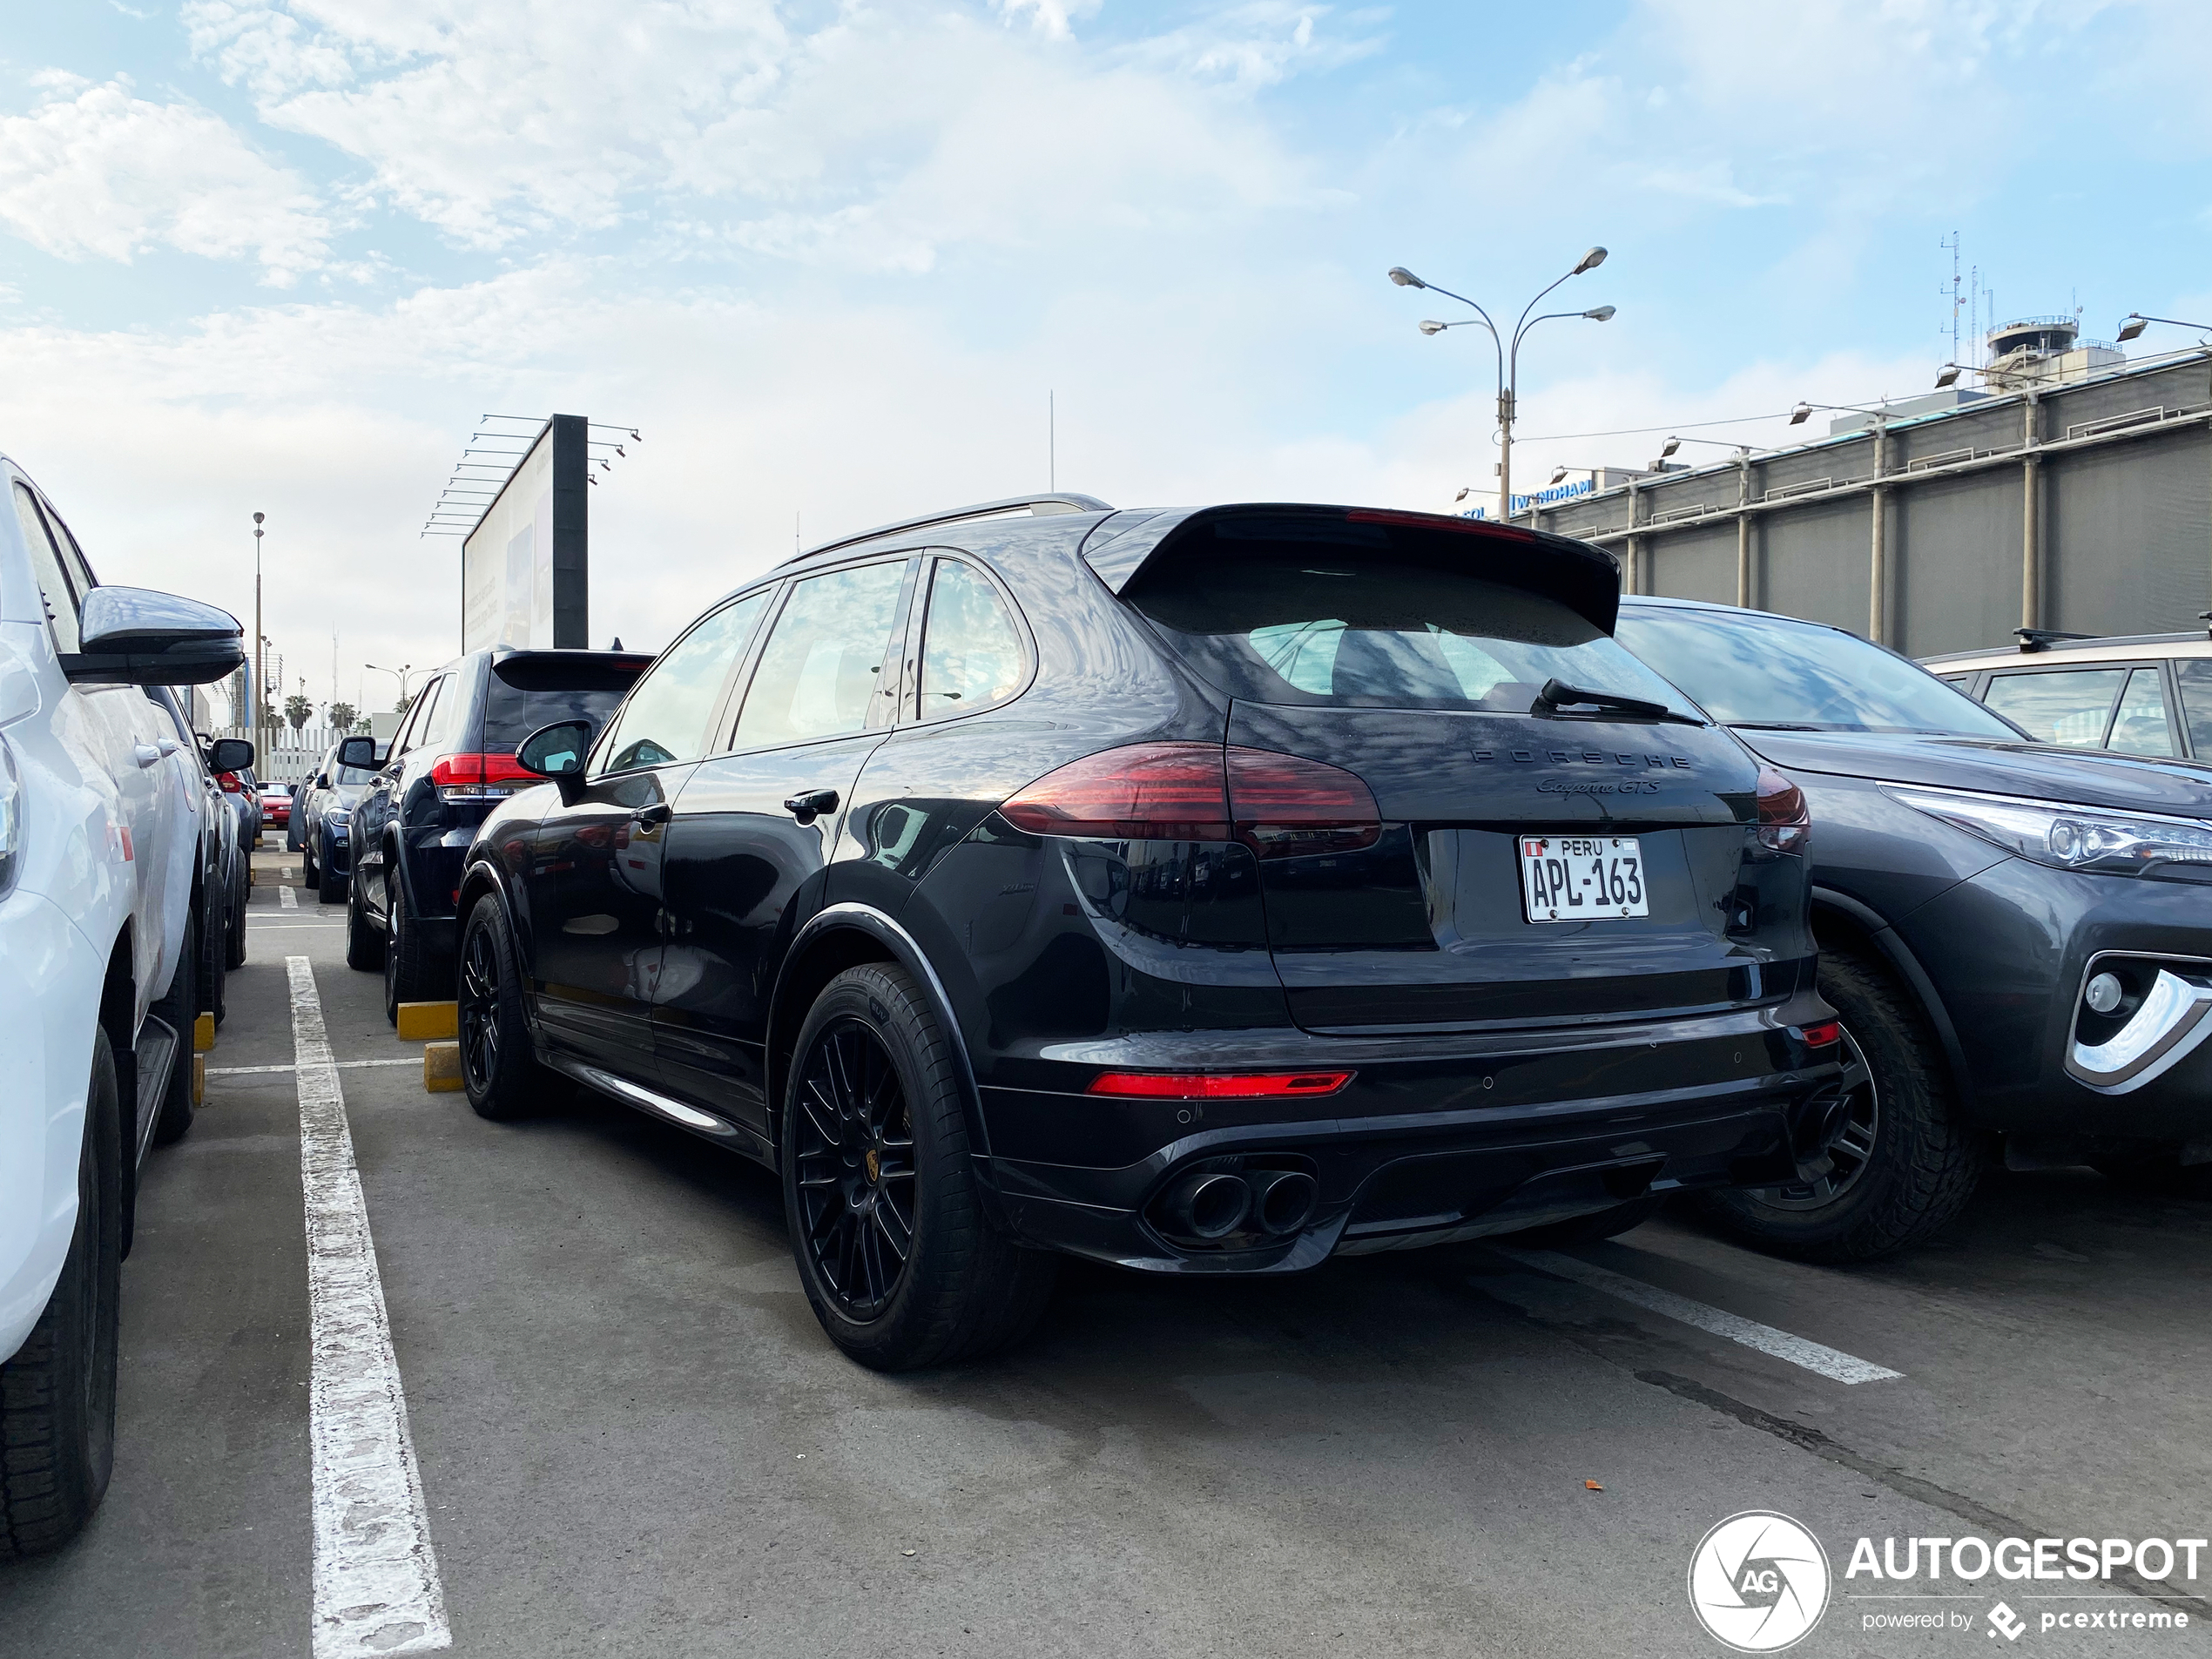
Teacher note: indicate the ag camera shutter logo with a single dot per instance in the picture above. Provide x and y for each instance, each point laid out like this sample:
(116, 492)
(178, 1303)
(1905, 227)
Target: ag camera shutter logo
(1758, 1582)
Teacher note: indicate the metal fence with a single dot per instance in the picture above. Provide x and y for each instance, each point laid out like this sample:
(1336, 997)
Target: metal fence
(2085, 506)
(285, 756)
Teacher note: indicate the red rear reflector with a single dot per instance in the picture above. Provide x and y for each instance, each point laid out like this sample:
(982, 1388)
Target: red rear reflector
(1145, 791)
(1284, 805)
(1785, 822)
(1232, 1085)
(1820, 1036)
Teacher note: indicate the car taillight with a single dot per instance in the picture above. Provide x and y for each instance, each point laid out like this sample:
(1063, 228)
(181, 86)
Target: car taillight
(1217, 1085)
(1144, 792)
(480, 776)
(1785, 823)
(229, 782)
(1283, 805)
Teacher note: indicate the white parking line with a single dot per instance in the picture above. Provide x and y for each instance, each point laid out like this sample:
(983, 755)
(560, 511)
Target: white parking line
(288, 899)
(245, 1071)
(376, 1588)
(1799, 1351)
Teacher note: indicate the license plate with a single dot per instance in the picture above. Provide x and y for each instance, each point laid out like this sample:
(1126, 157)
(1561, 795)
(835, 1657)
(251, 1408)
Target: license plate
(1582, 878)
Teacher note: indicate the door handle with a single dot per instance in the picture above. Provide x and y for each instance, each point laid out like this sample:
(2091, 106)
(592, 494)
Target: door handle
(654, 816)
(807, 807)
(167, 746)
(146, 754)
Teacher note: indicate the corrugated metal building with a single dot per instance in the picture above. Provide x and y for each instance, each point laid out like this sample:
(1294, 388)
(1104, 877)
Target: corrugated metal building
(2084, 505)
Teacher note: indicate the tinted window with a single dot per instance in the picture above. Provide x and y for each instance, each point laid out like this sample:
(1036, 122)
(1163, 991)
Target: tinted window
(419, 713)
(1307, 625)
(2196, 676)
(817, 675)
(2070, 706)
(1750, 669)
(971, 654)
(46, 570)
(80, 572)
(2141, 726)
(525, 692)
(665, 718)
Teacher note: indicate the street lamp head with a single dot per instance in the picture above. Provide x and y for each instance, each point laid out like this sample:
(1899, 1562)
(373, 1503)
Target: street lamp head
(258, 517)
(1432, 327)
(1602, 313)
(1668, 447)
(1799, 416)
(2133, 326)
(1948, 376)
(1463, 495)
(1558, 473)
(1591, 260)
(1405, 278)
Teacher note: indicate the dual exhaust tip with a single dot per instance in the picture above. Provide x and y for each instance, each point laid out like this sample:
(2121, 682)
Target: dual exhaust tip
(1212, 1204)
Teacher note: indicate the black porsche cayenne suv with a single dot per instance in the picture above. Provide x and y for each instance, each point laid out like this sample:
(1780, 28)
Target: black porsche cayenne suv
(1202, 890)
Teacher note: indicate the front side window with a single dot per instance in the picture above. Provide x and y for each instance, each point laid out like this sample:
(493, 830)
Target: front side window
(1749, 669)
(46, 571)
(819, 671)
(2070, 706)
(666, 719)
(971, 651)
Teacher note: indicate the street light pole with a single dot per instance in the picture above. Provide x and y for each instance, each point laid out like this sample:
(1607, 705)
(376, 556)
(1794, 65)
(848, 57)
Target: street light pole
(256, 694)
(1508, 355)
(399, 674)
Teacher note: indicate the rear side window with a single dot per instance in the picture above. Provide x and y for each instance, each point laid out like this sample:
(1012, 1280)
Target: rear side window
(523, 693)
(2195, 677)
(817, 675)
(2070, 706)
(971, 651)
(1316, 625)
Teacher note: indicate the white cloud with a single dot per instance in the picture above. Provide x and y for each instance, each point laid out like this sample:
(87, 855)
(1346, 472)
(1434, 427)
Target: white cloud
(95, 171)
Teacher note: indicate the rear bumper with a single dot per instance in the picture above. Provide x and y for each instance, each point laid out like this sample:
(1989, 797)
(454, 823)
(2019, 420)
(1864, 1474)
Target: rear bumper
(1412, 1153)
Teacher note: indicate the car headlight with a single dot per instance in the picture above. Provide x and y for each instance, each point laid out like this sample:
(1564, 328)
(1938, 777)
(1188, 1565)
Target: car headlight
(2072, 837)
(11, 818)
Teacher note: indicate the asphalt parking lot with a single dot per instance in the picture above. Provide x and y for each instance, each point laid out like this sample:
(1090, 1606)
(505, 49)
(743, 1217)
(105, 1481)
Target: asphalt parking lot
(633, 1438)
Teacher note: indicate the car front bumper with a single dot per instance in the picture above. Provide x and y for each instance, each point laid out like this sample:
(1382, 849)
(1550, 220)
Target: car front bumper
(1431, 1141)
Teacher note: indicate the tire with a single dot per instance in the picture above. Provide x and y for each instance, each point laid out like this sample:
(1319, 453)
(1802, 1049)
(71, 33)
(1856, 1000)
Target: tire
(1907, 1163)
(1591, 1228)
(364, 944)
(306, 865)
(235, 927)
(503, 1077)
(411, 975)
(57, 1394)
(330, 885)
(2161, 1172)
(180, 1008)
(873, 1087)
(214, 942)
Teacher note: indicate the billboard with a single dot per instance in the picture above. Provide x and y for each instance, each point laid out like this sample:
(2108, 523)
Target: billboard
(524, 566)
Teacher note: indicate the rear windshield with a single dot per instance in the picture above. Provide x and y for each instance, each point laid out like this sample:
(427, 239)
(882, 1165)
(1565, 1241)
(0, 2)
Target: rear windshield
(1771, 674)
(518, 700)
(1318, 625)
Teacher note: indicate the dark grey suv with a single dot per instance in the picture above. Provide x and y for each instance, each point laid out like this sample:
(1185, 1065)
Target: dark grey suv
(2017, 936)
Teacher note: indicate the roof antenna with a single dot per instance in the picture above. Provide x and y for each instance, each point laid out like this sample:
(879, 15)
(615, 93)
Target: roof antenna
(618, 644)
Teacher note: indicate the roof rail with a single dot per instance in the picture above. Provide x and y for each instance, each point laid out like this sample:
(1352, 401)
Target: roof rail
(1040, 506)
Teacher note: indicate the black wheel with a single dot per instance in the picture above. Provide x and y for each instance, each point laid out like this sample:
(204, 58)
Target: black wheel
(214, 944)
(410, 975)
(180, 1008)
(501, 1076)
(901, 1264)
(1590, 1229)
(2159, 1171)
(364, 944)
(330, 885)
(57, 1394)
(1905, 1163)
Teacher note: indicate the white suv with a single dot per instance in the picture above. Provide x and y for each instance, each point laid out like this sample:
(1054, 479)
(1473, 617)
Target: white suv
(99, 846)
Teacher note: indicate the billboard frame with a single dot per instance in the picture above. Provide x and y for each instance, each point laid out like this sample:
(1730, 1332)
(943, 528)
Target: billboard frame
(550, 499)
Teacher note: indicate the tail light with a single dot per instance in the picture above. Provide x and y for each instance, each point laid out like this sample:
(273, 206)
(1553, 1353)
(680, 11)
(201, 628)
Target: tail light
(480, 776)
(229, 783)
(1217, 1085)
(1785, 823)
(1145, 791)
(1183, 791)
(1283, 805)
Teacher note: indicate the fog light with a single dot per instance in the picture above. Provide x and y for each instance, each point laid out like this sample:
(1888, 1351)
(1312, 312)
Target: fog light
(2104, 994)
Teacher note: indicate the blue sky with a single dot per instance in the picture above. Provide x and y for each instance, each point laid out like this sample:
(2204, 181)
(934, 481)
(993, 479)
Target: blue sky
(831, 259)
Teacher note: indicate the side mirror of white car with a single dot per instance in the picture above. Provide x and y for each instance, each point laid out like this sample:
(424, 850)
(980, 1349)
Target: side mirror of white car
(136, 636)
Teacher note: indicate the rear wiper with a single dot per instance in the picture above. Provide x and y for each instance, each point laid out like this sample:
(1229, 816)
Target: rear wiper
(1557, 695)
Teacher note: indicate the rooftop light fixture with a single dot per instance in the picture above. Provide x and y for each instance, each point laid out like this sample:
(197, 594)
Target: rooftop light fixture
(1799, 416)
(2133, 325)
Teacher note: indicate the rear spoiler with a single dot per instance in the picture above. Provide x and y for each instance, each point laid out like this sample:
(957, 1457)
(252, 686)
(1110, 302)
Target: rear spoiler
(1587, 579)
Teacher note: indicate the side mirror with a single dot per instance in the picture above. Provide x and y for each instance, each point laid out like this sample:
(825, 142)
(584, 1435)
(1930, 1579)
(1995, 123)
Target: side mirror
(556, 751)
(359, 753)
(322, 781)
(229, 754)
(137, 636)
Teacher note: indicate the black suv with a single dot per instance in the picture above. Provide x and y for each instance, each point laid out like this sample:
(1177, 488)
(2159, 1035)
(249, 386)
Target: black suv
(1202, 892)
(450, 763)
(2017, 934)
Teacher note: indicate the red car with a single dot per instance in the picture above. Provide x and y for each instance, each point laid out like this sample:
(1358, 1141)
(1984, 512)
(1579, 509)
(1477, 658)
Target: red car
(276, 806)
